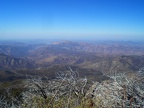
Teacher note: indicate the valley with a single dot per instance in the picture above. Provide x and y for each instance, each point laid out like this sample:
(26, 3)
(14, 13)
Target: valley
(43, 58)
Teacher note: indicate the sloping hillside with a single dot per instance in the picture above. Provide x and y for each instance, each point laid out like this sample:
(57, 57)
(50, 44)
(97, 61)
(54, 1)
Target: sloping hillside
(8, 62)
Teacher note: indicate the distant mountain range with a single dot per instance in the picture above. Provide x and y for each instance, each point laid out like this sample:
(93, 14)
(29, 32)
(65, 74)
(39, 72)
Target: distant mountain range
(99, 56)
(22, 59)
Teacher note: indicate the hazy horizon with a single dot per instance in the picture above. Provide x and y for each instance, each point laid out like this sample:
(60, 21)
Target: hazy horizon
(76, 37)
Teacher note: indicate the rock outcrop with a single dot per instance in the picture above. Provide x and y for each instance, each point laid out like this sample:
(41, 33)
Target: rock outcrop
(122, 91)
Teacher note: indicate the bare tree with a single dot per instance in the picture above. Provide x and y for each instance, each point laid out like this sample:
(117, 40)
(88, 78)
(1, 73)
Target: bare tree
(68, 87)
(133, 88)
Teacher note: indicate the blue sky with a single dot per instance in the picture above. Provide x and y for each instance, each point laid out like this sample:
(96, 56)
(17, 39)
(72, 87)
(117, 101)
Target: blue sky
(68, 19)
